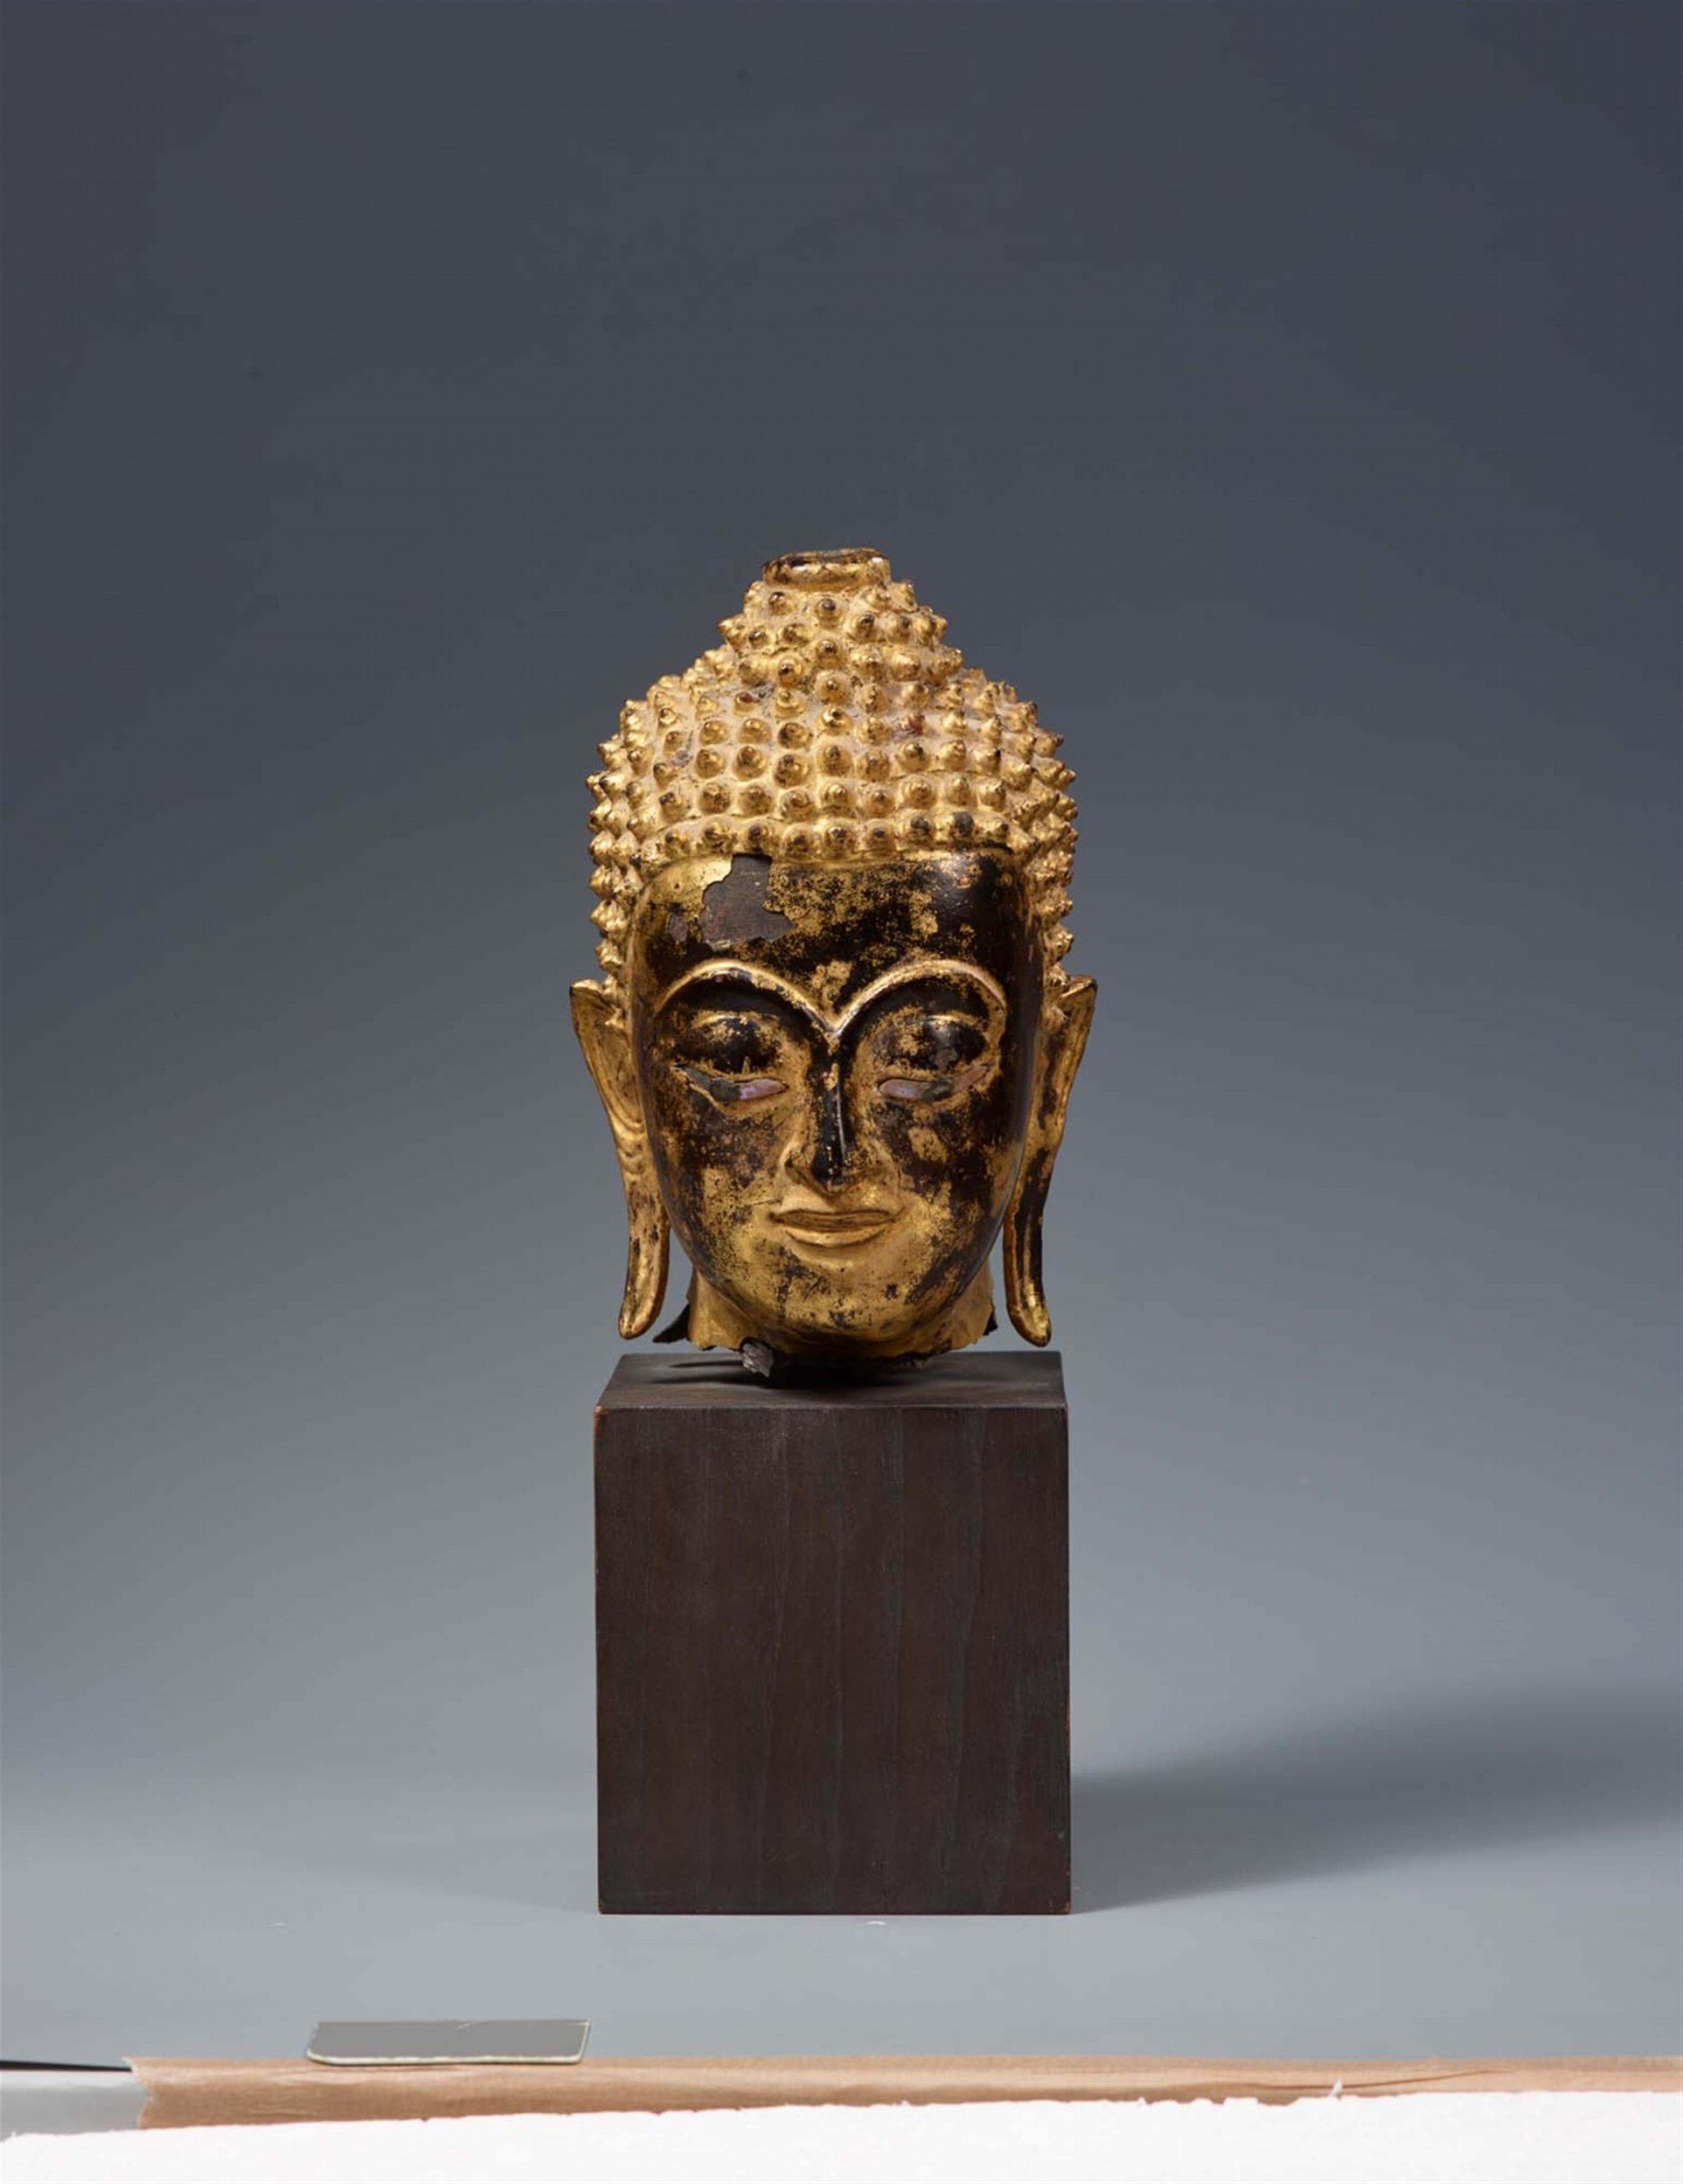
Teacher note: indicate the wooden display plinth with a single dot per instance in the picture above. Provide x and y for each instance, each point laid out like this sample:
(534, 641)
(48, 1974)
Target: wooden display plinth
(832, 1638)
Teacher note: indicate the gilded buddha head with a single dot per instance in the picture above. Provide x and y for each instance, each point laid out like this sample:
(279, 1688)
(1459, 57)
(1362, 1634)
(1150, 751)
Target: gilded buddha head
(834, 1035)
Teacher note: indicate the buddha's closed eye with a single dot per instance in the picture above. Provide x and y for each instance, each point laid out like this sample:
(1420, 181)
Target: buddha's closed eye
(727, 1090)
(734, 1060)
(922, 1061)
(932, 1091)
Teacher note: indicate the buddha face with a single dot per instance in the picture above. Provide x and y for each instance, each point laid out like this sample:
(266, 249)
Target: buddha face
(834, 1080)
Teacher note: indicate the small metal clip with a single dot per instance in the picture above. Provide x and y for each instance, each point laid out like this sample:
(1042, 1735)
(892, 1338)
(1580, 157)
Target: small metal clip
(407, 2042)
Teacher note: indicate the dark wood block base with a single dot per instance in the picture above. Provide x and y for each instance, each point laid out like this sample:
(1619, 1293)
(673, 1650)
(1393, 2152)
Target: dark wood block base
(832, 1639)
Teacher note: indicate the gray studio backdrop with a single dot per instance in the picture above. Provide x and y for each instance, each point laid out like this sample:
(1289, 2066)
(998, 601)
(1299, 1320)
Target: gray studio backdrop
(1283, 397)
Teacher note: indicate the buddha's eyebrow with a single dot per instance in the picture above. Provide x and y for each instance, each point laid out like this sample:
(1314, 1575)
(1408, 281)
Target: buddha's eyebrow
(733, 985)
(924, 971)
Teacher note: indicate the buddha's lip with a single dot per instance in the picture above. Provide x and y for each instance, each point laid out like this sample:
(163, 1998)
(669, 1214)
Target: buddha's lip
(833, 1224)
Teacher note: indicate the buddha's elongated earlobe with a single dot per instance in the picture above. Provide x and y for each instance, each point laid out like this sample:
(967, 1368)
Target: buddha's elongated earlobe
(606, 1041)
(1064, 1038)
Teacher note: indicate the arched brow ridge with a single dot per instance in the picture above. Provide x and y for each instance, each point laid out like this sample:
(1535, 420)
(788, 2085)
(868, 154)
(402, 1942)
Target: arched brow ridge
(917, 969)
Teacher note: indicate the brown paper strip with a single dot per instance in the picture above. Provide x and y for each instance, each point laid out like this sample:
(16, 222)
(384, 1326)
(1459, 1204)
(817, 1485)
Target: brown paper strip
(184, 2092)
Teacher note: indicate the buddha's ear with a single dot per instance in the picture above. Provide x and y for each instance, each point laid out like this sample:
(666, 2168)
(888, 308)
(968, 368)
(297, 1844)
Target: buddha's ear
(606, 1039)
(1064, 1038)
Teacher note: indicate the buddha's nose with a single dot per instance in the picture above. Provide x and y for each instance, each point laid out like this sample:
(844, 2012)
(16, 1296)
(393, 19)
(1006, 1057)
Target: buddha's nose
(828, 1160)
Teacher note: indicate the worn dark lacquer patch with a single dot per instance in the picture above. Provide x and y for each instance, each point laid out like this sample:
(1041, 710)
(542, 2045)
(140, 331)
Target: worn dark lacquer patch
(735, 911)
